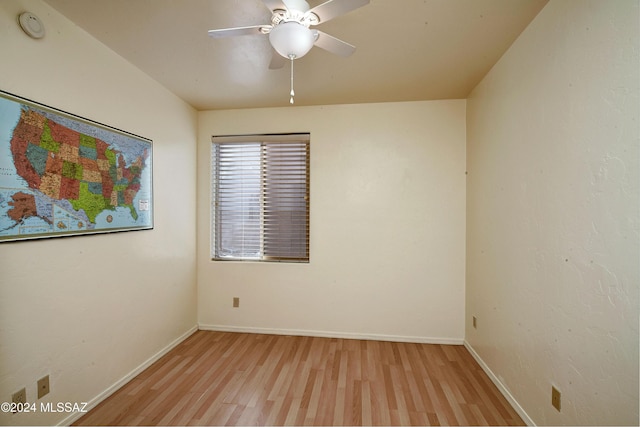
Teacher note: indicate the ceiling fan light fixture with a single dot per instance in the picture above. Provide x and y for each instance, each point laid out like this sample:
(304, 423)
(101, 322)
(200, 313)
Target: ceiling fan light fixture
(289, 32)
(291, 39)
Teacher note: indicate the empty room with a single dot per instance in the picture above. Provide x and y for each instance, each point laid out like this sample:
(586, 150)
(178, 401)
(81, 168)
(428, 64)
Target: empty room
(345, 212)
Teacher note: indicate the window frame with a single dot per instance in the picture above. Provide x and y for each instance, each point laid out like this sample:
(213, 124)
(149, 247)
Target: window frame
(266, 211)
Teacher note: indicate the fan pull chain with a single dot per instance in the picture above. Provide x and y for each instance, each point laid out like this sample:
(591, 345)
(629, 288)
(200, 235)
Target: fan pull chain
(292, 93)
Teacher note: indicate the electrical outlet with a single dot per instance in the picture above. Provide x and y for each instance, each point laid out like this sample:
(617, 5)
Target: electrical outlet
(236, 302)
(43, 386)
(19, 396)
(555, 398)
(475, 324)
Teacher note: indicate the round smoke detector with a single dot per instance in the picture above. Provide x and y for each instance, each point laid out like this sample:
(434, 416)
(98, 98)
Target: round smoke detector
(31, 25)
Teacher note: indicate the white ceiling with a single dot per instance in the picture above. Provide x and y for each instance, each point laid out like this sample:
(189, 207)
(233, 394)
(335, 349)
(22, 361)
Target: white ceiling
(407, 50)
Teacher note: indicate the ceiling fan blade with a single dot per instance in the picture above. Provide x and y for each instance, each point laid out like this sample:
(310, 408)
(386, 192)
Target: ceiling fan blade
(277, 60)
(333, 8)
(275, 5)
(238, 31)
(333, 45)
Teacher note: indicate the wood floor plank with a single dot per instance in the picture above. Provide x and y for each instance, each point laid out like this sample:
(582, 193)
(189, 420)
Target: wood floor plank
(219, 378)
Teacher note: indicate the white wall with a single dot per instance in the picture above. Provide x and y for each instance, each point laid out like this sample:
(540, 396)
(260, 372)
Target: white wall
(89, 310)
(387, 226)
(553, 214)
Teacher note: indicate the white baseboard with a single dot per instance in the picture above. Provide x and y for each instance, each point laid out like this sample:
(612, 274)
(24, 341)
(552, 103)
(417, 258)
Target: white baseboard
(118, 384)
(503, 389)
(331, 334)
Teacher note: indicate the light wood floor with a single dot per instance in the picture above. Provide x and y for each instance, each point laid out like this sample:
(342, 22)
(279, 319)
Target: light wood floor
(216, 378)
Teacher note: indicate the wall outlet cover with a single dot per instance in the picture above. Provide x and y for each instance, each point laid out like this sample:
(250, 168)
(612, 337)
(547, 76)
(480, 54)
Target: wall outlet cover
(19, 396)
(555, 398)
(43, 386)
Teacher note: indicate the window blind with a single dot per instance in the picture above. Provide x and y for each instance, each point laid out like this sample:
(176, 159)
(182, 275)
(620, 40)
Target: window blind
(260, 198)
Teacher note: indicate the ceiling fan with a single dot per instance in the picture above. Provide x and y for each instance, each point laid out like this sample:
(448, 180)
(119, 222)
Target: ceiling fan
(289, 32)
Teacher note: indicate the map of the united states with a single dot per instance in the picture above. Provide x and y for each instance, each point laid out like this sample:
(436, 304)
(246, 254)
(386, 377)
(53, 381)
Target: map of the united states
(71, 178)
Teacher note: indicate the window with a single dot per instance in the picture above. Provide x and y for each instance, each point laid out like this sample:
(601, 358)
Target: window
(260, 197)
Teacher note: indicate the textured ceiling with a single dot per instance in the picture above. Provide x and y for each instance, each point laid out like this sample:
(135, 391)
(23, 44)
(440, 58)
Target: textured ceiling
(407, 50)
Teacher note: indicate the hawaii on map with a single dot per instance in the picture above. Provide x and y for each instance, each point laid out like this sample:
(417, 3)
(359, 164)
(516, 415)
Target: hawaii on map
(61, 175)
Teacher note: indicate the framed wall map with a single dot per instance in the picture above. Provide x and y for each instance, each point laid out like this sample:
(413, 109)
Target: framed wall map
(63, 175)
